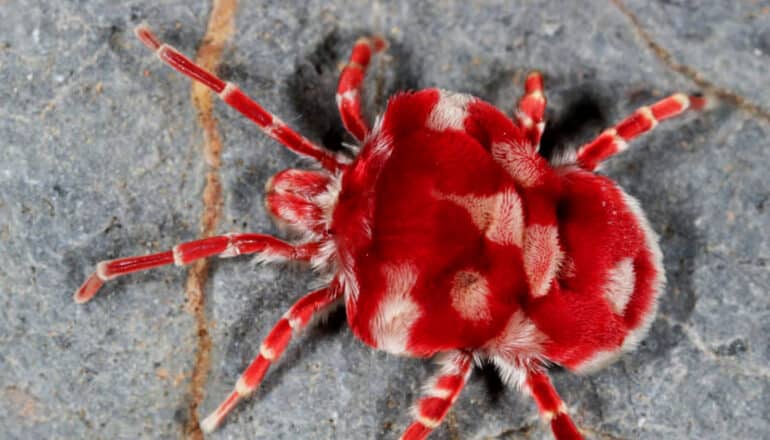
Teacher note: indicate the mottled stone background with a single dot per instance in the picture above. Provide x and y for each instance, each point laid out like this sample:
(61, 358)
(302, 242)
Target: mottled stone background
(100, 156)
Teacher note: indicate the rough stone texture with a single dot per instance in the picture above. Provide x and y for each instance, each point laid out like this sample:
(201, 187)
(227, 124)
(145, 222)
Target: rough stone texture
(100, 157)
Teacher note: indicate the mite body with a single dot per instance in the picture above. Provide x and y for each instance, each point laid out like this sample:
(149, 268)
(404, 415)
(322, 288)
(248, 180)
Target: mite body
(449, 235)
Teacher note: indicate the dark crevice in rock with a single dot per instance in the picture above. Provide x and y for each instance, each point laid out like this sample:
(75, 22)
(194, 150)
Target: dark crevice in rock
(734, 348)
(492, 381)
(583, 113)
(312, 90)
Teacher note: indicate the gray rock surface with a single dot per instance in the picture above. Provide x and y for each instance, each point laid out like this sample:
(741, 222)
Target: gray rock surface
(100, 158)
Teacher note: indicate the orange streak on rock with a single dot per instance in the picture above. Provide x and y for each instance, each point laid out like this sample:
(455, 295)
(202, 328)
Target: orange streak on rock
(220, 27)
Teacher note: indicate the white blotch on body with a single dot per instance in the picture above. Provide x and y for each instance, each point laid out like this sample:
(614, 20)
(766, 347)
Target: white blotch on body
(450, 111)
(519, 161)
(620, 285)
(542, 257)
(469, 293)
(397, 312)
(499, 216)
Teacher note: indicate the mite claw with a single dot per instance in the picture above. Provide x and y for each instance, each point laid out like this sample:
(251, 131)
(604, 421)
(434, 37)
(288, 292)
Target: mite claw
(209, 424)
(380, 43)
(213, 420)
(88, 289)
(146, 36)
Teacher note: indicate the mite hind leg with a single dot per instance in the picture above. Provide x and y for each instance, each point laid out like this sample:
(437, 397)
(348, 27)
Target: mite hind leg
(440, 393)
(537, 384)
(530, 112)
(615, 140)
(552, 408)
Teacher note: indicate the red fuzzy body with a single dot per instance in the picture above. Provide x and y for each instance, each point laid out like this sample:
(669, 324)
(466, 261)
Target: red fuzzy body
(449, 235)
(426, 276)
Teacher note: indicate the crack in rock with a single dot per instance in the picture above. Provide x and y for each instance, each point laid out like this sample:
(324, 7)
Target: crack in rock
(220, 28)
(691, 73)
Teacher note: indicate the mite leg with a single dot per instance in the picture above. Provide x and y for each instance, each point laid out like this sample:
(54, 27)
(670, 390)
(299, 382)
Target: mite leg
(551, 407)
(229, 92)
(228, 245)
(531, 109)
(298, 316)
(440, 393)
(349, 88)
(614, 140)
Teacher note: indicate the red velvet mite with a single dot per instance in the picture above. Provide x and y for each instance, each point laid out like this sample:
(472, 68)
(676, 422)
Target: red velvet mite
(448, 235)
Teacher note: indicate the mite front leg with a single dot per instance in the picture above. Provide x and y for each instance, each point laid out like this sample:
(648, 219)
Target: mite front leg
(531, 108)
(298, 316)
(349, 88)
(233, 96)
(441, 392)
(615, 140)
(229, 245)
(551, 407)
